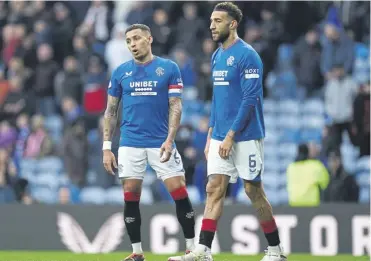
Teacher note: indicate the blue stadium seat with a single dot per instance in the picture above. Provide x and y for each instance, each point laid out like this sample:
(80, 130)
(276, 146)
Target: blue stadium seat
(28, 165)
(363, 164)
(44, 194)
(290, 136)
(310, 134)
(287, 150)
(363, 179)
(284, 163)
(313, 106)
(270, 107)
(272, 165)
(272, 196)
(289, 122)
(149, 178)
(270, 122)
(271, 137)
(54, 125)
(285, 55)
(50, 164)
(361, 50)
(283, 196)
(93, 195)
(364, 195)
(93, 136)
(194, 195)
(271, 180)
(190, 93)
(312, 121)
(147, 196)
(48, 179)
(289, 107)
(114, 196)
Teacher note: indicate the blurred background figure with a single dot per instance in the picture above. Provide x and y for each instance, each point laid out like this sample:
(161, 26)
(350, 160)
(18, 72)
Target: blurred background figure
(306, 179)
(342, 186)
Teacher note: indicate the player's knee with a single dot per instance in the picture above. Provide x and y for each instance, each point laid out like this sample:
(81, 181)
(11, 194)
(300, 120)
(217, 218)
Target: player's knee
(254, 193)
(132, 190)
(214, 190)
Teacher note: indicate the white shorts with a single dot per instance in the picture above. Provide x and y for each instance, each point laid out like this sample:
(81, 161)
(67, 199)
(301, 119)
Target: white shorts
(132, 163)
(246, 161)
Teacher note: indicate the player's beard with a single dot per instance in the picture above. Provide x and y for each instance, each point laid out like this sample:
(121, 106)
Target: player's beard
(223, 36)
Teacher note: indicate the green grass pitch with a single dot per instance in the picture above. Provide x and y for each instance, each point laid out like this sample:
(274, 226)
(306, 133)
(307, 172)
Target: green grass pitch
(65, 256)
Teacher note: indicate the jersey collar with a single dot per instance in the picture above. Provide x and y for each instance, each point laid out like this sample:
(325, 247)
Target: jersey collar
(229, 47)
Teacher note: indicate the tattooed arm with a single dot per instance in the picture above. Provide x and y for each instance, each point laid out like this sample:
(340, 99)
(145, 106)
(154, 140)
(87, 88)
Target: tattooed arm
(110, 117)
(175, 113)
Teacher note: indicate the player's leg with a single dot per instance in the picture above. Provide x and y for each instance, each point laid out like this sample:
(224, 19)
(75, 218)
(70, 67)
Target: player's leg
(216, 189)
(251, 171)
(184, 210)
(172, 174)
(132, 165)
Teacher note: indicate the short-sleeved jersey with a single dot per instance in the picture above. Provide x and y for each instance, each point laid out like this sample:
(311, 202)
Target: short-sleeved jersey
(237, 103)
(144, 91)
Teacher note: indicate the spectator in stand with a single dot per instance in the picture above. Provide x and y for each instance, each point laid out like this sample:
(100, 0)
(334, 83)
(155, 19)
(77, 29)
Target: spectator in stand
(27, 51)
(7, 172)
(24, 131)
(43, 33)
(38, 143)
(185, 63)
(98, 20)
(68, 83)
(4, 87)
(21, 189)
(94, 92)
(75, 149)
(117, 52)
(45, 73)
(190, 28)
(307, 59)
(204, 85)
(140, 13)
(162, 32)
(271, 26)
(306, 178)
(337, 47)
(340, 92)
(17, 101)
(361, 119)
(342, 187)
(8, 136)
(63, 29)
(17, 68)
(12, 39)
(82, 52)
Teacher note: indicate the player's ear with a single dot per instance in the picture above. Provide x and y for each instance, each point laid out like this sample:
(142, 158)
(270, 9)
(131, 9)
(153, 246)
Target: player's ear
(150, 39)
(233, 24)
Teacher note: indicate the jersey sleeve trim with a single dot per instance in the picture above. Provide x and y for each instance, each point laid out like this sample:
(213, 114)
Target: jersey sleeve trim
(176, 88)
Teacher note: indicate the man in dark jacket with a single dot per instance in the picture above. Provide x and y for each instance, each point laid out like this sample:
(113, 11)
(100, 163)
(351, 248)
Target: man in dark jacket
(342, 187)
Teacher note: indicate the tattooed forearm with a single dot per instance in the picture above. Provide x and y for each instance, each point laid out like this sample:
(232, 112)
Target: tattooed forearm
(110, 117)
(175, 113)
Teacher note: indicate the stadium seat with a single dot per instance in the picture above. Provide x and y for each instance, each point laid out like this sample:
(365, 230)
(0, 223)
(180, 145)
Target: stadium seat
(28, 165)
(150, 177)
(93, 195)
(93, 136)
(50, 164)
(313, 106)
(363, 179)
(48, 179)
(312, 121)
(364, 195)
(272, 196)
(289, 107)
(272, 165)
(270, 122)
(290, 136)
(270, 107)
(310, 134)
(44, 194)
(283, 196)
(363, 164)
(271, 137)
(194, 195)
(147, 196)
(271, 180)
(287, 150)
(114, 196)
(289, 122)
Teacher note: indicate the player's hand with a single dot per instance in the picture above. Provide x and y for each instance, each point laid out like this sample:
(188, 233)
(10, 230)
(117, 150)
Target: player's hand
(165, 151)
(109, 160)
(225, 149)
(207, 146)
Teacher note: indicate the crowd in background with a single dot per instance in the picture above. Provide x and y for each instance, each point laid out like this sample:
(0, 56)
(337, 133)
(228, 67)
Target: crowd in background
(56, 61)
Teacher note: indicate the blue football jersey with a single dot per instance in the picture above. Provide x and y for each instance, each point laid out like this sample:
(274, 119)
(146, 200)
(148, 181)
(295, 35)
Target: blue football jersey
(237, 103)
(144, 90)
